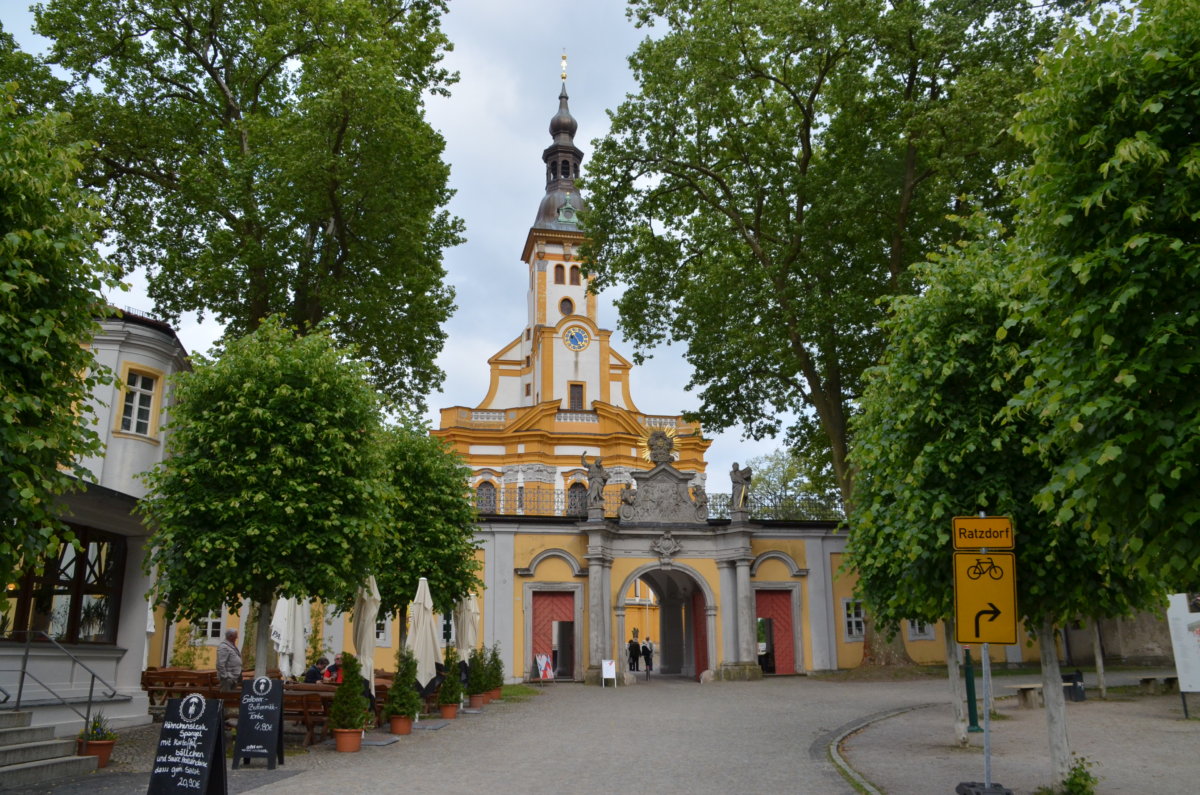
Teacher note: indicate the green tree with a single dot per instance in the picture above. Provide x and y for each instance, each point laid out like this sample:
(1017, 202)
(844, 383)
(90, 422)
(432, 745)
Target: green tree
(932, 443)
(274, 158)
(1109, 216)
(37, 88)
(783, 487)
(778, 170)
(50, 281)
(273, 484)
(432, 523)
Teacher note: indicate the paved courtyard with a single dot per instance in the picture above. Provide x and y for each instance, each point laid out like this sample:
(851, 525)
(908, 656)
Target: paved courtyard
(672, 735)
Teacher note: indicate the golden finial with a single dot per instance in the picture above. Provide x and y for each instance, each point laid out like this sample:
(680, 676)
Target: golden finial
(564, 64)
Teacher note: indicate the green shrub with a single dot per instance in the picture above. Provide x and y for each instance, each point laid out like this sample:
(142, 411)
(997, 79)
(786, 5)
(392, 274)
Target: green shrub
(478, 679)
(495, 667)
(403, 698)
(451, 692)
(350, 708)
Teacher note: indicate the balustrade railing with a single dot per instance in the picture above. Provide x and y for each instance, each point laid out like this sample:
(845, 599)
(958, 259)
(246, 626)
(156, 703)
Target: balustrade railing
(567, 505)
(25, 674)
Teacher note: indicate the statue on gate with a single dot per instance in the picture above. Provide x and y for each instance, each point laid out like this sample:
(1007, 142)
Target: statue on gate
(597, 480)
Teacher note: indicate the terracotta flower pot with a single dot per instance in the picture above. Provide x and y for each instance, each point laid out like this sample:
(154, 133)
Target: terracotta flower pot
(101, 749)
(476, 700)
(496, 694)
(449, 711)
(401, 724)
(347, 740)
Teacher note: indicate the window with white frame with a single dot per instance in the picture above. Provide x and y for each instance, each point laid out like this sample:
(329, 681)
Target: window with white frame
(919, 630)
(136, 414)
(210, 627)
(852, 614)
(383, 631)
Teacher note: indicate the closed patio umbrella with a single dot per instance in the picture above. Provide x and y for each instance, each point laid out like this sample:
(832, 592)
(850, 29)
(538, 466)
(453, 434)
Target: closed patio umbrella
(466, 620)
(366, 609)
(422, 635)
(291, 624)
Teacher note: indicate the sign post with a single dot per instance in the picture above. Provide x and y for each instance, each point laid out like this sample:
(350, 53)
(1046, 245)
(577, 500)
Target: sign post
(260, 722)
(191, 748)
(985, 604)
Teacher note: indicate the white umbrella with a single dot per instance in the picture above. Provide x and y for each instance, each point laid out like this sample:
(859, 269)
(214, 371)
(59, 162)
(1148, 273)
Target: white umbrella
(291, 624)
(466, 621)
(366, 608)
(422, 638)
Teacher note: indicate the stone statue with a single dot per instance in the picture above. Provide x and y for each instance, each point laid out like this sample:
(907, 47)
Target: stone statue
(597, 479)
(740, 478)
(666, 546)
(659, 445)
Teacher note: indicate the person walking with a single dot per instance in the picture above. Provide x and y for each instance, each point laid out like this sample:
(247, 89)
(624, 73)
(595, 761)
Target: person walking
(634, 654)
(648, 654)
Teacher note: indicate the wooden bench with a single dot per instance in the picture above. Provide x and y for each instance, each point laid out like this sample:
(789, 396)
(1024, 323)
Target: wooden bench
(309, 710)
(1153, 685)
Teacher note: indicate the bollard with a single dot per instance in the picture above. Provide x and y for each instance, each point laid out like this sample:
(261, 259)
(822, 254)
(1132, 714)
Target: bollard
(972, 712)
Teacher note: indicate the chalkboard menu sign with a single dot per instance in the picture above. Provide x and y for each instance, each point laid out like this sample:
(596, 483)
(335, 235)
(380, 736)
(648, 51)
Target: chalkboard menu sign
(260, 722)
(191, 748)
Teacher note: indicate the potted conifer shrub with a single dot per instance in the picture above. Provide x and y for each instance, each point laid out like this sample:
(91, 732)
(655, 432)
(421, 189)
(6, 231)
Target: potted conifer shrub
(477, 677)
(96, 739)
(403, 702)
(450, 693)
(349, 711)
(495, 667)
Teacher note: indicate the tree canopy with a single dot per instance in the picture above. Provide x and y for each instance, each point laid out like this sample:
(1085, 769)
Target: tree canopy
(431, 525)
(274, 482)
(1109, 216)
(274, 158)
(50, 281)
(779, 168)
(932, 442)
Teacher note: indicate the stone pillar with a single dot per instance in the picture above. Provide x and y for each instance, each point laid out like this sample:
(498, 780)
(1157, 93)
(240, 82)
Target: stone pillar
(622, 659)
(727, 598)
(747, 636)
(596, 616)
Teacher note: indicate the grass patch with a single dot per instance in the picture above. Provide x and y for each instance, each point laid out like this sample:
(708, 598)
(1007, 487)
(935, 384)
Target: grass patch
(517, 693)
(882, 673)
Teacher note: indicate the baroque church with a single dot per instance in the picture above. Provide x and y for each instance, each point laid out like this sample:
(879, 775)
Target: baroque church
(594, 521)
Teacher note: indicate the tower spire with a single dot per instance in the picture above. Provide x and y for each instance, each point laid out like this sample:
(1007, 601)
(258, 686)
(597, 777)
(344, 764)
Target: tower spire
(562, 158)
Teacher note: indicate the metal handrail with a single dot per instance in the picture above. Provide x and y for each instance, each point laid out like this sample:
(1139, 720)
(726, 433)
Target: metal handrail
(87, 717)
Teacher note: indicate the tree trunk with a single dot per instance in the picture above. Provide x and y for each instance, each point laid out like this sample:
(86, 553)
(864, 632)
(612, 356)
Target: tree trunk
(878, 650)
(262, 645)
(1056, 707)
(1098, 655)
(958, 688)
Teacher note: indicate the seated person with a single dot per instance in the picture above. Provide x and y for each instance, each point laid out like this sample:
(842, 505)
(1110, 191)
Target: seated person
(313, 675)
(333, 674)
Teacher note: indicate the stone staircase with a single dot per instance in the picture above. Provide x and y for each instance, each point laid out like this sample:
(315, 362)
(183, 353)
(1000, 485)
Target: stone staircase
(31, 755)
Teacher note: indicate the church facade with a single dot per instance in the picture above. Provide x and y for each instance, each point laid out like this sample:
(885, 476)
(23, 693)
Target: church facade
(594, 522)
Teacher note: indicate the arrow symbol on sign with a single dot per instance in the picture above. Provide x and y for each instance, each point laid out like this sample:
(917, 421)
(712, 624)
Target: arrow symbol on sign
(994, 613)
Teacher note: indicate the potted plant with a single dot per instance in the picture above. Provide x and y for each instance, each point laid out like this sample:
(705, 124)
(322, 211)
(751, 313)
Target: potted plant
(495, 667)
(477, 677)
(349, 711)
(403, 702)
(450, 693)
(96, 739)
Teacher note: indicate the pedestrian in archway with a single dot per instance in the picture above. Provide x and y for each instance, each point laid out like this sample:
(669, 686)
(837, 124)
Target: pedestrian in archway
(634, 653)
(648, 654)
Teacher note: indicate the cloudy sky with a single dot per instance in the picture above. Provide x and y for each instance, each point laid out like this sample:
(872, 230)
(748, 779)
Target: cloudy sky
(495, 123)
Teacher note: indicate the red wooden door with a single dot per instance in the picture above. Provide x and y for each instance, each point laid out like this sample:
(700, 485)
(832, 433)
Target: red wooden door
(777, 606)
(548, 607)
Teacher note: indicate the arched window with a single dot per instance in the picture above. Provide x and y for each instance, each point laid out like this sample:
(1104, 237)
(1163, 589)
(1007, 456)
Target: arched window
(574, 274)
(566, 169)
(577, 500)
(560, 274)
(485, 497)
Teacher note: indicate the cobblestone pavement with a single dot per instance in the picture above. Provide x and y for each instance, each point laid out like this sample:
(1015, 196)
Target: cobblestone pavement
(672, 735)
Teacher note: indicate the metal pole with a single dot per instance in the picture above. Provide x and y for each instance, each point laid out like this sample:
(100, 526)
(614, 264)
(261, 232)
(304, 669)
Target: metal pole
(987, 717)
(972, 709)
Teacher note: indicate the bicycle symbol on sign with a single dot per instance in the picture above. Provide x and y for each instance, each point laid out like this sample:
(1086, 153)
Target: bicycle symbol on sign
(983, 566)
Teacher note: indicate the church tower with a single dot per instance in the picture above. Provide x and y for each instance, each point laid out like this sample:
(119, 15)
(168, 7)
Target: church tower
(559, 391)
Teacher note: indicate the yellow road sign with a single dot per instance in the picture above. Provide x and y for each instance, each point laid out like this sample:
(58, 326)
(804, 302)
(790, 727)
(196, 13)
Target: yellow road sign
(980, 532)
(985, 597)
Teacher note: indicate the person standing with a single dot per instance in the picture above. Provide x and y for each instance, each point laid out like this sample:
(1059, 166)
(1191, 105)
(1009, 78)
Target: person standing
(648, 653)
(229, 662)
(634, 654)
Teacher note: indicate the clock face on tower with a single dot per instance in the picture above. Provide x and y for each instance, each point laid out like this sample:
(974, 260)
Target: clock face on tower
(576, 338)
